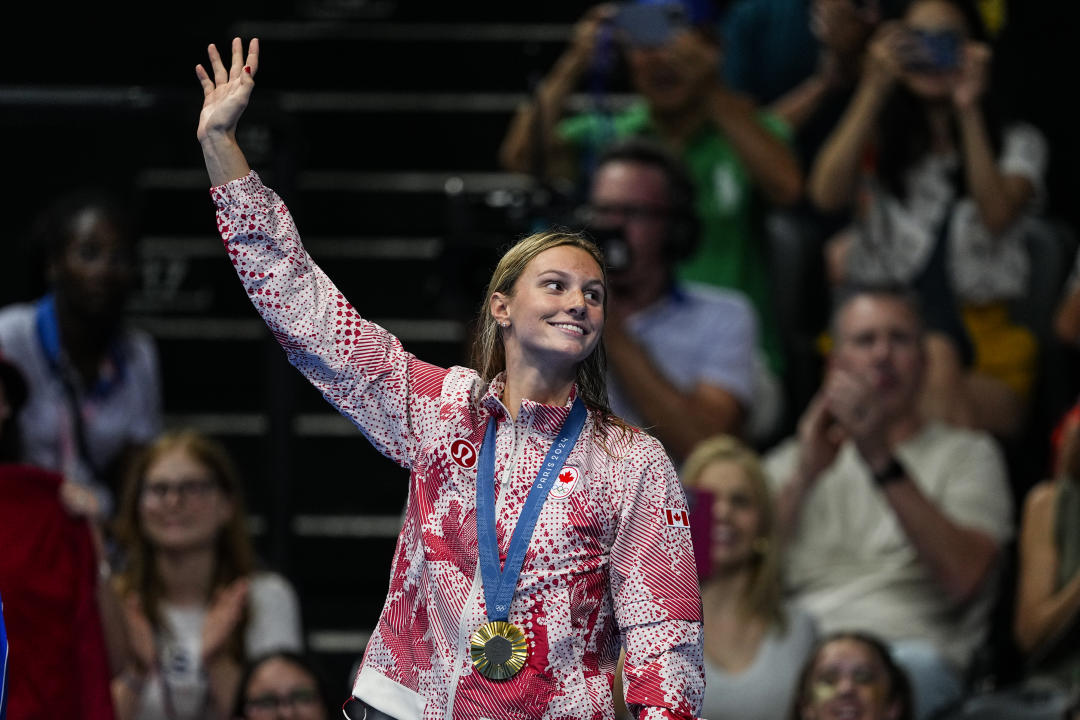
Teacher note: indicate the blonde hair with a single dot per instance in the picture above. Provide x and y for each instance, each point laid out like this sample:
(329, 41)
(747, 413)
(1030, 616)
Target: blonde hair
(233, 553)
(764, 593)
(488, 352)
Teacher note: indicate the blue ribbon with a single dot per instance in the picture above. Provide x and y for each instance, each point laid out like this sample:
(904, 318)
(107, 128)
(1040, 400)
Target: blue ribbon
(499, 584)
(3, 664)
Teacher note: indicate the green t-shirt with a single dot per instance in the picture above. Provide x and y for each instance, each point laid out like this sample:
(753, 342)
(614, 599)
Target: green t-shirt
(729, 255)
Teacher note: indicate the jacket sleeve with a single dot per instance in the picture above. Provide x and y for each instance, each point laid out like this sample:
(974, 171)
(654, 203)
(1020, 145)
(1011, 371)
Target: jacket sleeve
(360, 368)
(655, 593)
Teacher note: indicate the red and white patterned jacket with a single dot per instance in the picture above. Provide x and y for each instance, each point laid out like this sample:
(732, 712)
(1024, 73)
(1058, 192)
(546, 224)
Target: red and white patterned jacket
(610, 559)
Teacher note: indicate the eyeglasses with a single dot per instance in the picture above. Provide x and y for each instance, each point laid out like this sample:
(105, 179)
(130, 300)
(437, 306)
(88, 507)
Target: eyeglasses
(264, 705)
(189, 488)
(621, 212)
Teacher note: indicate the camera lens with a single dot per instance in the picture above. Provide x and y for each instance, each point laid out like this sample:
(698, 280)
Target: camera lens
(614, 246)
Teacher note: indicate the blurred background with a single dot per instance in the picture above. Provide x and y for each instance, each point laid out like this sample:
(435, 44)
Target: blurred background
(379, 122)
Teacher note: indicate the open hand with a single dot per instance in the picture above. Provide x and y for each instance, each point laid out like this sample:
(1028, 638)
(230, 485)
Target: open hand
(820, 438)
(973, 74)
(140, 633)
(225, 96)
(222, 618)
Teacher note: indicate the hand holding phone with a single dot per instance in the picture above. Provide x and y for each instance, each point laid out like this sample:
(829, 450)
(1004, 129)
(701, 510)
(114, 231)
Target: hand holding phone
(933, 51)
(650, 24)
(701, 522)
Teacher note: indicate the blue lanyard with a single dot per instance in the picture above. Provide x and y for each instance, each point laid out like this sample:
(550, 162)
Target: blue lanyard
(3, 664)
(499, 584)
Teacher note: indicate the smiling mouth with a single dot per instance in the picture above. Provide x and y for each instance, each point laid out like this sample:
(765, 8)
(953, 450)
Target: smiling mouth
(576, 329)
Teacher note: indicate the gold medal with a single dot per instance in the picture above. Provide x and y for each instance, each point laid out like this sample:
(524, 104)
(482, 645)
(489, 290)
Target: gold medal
(499, 650)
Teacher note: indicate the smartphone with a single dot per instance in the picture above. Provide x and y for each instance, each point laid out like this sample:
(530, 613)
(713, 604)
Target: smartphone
(701, 522)
(650, 23)
(936, 51)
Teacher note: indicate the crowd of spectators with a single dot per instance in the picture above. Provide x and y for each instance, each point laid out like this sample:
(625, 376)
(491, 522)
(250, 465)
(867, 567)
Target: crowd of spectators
(871, 552)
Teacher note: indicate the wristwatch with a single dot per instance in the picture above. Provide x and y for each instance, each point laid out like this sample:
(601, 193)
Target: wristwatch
(891, 473)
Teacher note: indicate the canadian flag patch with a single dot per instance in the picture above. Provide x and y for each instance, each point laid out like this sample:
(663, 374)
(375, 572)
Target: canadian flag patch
(677, 517)
(564, 483)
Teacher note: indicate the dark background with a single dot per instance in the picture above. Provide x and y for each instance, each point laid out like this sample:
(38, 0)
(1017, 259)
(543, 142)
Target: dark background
(107, 95)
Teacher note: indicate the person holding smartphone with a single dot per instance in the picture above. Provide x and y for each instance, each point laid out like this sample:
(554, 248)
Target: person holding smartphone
(941, 186)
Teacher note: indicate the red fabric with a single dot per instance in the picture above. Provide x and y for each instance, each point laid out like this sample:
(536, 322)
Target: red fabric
(57, 664)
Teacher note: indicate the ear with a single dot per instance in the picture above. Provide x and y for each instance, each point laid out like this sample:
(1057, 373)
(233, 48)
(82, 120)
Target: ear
(499, 305)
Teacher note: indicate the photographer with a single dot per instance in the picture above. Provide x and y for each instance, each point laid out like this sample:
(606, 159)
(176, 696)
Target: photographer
(681, 356)
(737, 155)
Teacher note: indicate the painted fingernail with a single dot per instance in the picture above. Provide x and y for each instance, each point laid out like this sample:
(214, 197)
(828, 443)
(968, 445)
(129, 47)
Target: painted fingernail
(247, 69)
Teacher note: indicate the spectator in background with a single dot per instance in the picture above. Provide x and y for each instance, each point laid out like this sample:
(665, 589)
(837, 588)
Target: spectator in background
(851, 674)
(1067, 314)
(195, 606)
(755, 643)
(941, 185)
(94, 385)
(739, 157)
(1048, 593)
(682, 357)
(280, 680)
(49, 584)
(814, 107)
(894, 523)
(768, 47)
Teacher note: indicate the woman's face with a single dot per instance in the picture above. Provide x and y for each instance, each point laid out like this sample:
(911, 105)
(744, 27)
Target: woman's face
(934, 16)
(849, 682)
(556, 311)
(736, 514)
(181, 506)
(281, 688)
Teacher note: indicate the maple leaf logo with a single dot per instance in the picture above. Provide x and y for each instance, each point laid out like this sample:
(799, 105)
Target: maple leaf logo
(566, 476)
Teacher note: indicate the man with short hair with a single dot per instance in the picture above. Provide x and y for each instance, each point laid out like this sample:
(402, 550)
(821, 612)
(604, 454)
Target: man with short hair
(682, 357)
(893, 523)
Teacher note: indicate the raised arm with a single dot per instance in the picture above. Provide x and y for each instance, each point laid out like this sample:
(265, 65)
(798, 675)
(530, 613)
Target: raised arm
(832, 179)
(1000, 196)
(359, 367)
(536, 120)
(225, 96)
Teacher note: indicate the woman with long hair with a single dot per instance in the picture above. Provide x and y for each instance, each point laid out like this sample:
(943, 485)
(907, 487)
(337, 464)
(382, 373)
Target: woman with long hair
(195, 606)
(539, 529)
(1047, 622)
(943, 185)
(755, 644)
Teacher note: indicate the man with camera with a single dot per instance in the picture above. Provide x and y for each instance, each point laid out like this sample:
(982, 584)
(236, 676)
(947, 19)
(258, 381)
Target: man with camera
(681, 356)
(893, 524)
(737, 155)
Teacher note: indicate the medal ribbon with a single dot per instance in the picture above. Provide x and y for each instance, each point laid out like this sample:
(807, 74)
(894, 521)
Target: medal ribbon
(499, 584)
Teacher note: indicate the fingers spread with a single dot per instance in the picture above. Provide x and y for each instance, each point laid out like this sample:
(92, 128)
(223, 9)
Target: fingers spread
(237, 60)
(204, 80)
(220, 76)
(253, 55)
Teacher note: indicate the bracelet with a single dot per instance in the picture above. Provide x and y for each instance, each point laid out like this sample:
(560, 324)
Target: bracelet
(893, 472)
